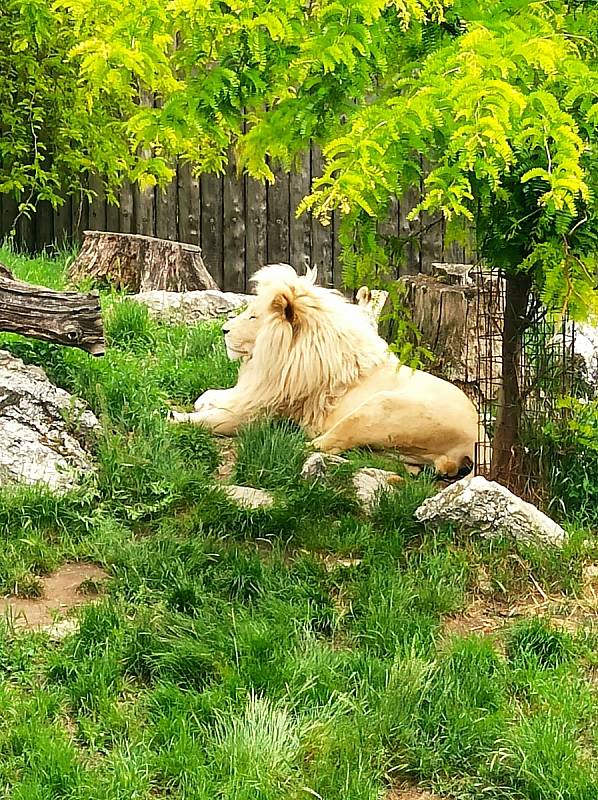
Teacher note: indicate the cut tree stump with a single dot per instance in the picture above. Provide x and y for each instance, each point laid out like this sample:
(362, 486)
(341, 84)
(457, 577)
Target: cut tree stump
(66, 318)
(457, 320)
(140, 263)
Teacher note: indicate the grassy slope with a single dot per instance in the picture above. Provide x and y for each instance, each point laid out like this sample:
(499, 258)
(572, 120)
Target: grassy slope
(227, 660)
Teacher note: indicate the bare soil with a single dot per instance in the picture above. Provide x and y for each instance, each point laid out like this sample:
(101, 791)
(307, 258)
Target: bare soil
(72, 585)
(568, 613)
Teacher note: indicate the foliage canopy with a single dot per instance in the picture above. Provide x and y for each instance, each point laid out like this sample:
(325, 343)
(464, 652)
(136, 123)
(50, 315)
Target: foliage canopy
(500, 97)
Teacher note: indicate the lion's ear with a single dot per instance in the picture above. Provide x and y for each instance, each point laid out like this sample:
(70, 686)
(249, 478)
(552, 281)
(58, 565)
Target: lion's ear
(284, 305)
(363, 296)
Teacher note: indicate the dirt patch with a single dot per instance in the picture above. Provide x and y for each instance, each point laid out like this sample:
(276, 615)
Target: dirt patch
(73, 585)
(567, 613)
(408, 791)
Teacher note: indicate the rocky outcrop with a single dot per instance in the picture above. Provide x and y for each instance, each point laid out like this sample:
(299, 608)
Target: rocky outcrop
(189, 308)
(43, 429)
(489, 509)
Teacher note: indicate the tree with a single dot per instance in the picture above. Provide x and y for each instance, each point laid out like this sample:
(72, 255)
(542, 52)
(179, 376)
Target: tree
(499, 96)
(51, 134)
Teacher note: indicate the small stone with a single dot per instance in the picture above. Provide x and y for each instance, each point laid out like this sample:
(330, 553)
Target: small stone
(590, 573)
(247, 497)
(491, 510)
(58, 631)
(317, 465)
(369, 482)
(189, 308)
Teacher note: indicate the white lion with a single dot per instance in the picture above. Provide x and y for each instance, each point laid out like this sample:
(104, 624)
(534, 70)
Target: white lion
(310, 355)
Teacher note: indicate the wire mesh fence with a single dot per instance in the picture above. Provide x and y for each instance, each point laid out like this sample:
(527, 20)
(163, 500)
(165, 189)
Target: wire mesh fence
(548, 369)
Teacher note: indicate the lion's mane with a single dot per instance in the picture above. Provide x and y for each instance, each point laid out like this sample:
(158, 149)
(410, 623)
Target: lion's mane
(311, 348)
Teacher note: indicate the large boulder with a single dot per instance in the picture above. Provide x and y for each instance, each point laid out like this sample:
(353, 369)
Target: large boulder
(43, 429)
(189, 308)
(489, 509)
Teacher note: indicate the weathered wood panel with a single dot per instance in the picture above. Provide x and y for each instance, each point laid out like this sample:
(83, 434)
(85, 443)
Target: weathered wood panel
(187, 197)
(233, 230)
(321, 235)
(8, 214)
(44, 226)
(278, 219)
(256, 223)
(299, 227)
(212, 225)
(97, 205)
(126, 210)
(239, 223)
(62, 223)
(167, 210)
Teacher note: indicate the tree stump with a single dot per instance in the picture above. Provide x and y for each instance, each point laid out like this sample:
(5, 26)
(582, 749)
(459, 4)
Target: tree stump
(461, 322)
(66, 318)
(462, 325)
(140, 263)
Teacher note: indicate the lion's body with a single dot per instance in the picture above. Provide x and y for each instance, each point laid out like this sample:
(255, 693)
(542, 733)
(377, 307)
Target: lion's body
(311, 356)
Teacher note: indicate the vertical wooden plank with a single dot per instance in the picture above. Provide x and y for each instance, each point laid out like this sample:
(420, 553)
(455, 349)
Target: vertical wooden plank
(144, 200)
(337, 267)
(256, 218)
(187, 201)
(431, 241)
(112, 217)
(234, 229)
(26, 232)
(9, 213)
(389, 228)
(321, 235)
(97, 205)
(79, 216)
(452, 252)
(44, 226)
(166, 210)
(278, 219)
(144, 206)
(63, 223)
(300, 228)
(126, 219)
(211, 226)
(411, 253)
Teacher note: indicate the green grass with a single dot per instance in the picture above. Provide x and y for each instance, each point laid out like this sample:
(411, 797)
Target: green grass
(292, 652)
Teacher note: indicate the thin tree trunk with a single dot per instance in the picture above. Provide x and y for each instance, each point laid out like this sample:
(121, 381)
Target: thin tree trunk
(506, 452)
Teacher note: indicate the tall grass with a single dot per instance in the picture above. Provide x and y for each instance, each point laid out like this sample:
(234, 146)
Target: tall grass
(292, 652)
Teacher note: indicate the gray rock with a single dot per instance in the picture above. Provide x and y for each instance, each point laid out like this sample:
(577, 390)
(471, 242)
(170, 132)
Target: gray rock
(41, 429)
(190, 308)
(318, 464)
(246, 497)
(369, 482)
(489, 509)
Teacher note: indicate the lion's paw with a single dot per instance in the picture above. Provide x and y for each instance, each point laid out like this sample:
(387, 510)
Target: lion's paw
(324, 445)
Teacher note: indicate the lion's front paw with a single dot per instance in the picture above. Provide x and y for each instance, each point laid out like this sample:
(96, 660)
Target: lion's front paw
(324, 445)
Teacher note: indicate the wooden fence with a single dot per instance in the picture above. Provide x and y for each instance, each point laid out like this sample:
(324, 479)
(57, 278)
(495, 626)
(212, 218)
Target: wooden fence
(240, 224)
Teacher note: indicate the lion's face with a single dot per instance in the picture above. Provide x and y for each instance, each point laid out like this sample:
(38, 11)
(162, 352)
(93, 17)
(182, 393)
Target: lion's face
(241, 331)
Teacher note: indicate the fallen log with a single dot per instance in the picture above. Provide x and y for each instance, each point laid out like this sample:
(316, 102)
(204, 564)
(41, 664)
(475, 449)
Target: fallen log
(138, 263)
(66, 318)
